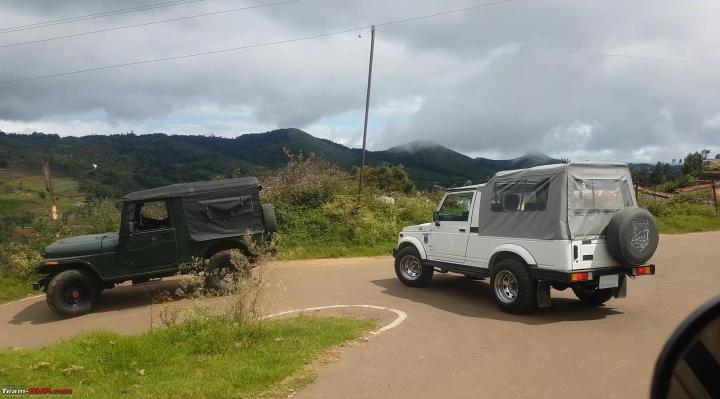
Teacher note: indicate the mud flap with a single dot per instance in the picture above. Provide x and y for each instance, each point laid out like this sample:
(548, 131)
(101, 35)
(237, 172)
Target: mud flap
(621, 290)
(543, 294)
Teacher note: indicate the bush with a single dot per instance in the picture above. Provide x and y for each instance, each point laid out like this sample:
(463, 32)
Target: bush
(678, 182)
(19, 260)
(386, 179)
(320, 213)
(306, 181)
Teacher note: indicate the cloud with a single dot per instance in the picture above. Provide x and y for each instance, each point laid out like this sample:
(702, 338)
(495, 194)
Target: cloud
(499, 80)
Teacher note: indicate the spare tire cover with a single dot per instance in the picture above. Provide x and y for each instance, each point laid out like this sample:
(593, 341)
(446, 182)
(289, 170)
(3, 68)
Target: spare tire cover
(632, 236)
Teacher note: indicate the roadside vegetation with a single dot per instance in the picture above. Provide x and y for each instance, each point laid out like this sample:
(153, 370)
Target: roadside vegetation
(201, 358)
(320, 213)
(685, 213)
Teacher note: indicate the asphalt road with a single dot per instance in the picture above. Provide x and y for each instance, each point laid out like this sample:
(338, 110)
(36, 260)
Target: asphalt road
(455, 343)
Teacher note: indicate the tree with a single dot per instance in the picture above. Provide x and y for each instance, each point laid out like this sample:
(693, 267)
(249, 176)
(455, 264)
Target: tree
(705, 154)
(640, 176)
(717, 156)
(661, 173)
(693, 164)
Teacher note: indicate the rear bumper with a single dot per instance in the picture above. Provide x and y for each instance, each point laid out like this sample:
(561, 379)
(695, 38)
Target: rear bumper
(558, 276)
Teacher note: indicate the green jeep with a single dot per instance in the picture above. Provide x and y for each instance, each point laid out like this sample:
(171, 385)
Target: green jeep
(160, 229)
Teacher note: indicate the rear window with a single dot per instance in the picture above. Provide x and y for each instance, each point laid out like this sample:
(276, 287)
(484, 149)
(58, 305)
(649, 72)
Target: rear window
(226, 208)
(601, 195)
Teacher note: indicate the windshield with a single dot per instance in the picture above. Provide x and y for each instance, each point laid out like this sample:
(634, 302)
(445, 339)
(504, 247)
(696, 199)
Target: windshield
(601, 195)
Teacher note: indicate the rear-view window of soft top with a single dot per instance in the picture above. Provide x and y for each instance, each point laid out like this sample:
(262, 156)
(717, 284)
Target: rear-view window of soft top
(603, 195)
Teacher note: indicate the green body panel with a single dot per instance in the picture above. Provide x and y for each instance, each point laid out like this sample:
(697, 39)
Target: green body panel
(126, 255)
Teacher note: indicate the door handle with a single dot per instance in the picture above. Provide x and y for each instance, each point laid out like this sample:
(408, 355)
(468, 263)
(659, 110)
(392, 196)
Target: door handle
(461, 230)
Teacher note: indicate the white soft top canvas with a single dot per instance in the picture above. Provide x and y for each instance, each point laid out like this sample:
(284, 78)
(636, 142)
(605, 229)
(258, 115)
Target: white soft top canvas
(555, 202)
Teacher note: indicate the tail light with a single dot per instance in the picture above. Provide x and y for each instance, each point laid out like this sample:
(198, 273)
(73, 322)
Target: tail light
(585, 276)
(644, 270)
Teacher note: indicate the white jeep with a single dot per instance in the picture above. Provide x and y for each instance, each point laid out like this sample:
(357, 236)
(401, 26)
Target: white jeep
(573, 225)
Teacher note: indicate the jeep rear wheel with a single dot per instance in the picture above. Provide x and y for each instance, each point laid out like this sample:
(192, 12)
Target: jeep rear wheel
(410, 269)
(72, 293)
(222, 273)
(515, 292)
(593, 296)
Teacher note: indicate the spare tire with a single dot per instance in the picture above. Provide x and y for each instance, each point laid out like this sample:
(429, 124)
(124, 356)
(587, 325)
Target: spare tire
(269, 218)
(632, 236)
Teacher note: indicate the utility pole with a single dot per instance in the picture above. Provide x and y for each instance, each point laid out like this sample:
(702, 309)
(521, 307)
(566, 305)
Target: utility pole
(49, 188)
(714, 188)
(367, 107)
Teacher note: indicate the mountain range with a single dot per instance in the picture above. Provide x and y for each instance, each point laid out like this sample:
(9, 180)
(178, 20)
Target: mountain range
(110, 165)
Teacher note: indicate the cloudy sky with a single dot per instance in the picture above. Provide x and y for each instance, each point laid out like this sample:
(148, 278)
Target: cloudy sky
(582, 79)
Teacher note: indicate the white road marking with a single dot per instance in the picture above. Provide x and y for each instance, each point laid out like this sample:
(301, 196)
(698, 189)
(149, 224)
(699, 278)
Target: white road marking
(401, 316)
(21, 300)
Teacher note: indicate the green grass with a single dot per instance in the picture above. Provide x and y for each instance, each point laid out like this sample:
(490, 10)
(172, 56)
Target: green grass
(197, 359)
(12, 288)
(8, 205)
(337, 250)
(20, 191)
(685, 213)
(689, 219)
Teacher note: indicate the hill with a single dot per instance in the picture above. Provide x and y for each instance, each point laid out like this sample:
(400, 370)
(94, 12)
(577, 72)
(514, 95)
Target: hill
(111, 165)
(522, 162)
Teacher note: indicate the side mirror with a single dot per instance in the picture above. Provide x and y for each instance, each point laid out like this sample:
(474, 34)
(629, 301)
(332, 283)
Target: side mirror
(689, 364)
(436, 218)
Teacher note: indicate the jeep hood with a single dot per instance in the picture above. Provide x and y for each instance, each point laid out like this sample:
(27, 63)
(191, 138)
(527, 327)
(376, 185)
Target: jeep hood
(418, 227)
(82, 245)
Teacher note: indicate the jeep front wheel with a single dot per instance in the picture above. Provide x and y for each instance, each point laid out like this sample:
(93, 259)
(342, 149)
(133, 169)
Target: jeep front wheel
(72, 293)
(593, 296)
(410, 269)
(515, 292)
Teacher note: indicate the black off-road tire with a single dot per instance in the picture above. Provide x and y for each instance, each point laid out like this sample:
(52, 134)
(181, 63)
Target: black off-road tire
(410, 269)
(632, 236)
(515, 291)
(221, 272)
(72, 293)
(269, 218)
(593, 297)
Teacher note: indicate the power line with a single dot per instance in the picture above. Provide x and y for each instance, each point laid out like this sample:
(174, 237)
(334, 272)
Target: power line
(96, 15)
(437, 14)
(53, 75)
(558, 50)
(147, 23)
(250, 46)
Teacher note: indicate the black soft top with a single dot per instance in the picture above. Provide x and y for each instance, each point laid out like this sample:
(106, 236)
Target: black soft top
(185, 189)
